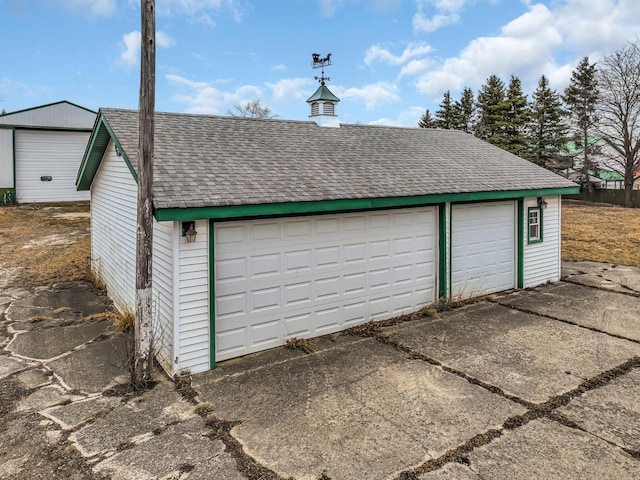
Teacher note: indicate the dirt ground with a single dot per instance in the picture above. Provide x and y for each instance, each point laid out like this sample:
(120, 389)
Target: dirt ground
(44, 244)
(601, 233)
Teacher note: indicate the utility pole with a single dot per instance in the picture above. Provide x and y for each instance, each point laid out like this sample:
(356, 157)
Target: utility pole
(143, 360)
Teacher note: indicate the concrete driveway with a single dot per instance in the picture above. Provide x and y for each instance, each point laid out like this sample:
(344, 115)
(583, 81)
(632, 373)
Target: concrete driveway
(539, 383)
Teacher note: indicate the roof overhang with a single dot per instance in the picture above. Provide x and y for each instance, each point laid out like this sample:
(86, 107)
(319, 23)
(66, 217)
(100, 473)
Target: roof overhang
(99, 140)
(232, 212)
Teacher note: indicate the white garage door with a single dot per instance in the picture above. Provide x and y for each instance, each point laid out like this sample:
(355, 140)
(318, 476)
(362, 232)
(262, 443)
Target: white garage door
(483, 257)
(42, 155)
(309, 276)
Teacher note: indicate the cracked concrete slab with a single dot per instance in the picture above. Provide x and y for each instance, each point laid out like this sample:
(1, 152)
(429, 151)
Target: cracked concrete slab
(35, 378)
(138, 418)
(77, 298)
(451, 471)
(94, 367)
(528, 356)
(333, 412)
(45, 397)
(72, 415)
(9, 366)
(202, 457)
(546, 449)
(588, 307)
(620, 278)
(47, 343)
(611, 412)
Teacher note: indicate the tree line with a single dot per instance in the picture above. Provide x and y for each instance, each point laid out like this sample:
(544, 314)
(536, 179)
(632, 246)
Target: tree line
(600, 106)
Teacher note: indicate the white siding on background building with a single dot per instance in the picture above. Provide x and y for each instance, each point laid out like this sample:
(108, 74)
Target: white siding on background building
(163, 296)
(542, 260)
(113, 229)
(6, 158)
(57, 115)
(53, 154)
(193, 298)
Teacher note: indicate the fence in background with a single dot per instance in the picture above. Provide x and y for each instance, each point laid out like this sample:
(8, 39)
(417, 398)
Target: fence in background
(616, 197)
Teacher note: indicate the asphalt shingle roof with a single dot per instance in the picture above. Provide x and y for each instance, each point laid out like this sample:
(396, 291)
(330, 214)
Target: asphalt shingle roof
(203, 161)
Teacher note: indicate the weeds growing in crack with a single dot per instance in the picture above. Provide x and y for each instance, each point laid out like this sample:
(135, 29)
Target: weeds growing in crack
(183, 386)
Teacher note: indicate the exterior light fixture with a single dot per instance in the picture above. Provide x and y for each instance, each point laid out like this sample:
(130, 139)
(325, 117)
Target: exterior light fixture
(189, 231)
(118, 151)
(542, 203)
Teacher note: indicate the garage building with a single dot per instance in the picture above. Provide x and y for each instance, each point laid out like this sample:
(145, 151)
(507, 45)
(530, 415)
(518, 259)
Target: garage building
(303, 230)
(40, 152)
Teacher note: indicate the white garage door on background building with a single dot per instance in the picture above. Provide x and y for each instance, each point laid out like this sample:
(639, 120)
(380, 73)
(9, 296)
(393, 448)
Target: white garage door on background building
(47, 164)
(309, 276)
(483, 248)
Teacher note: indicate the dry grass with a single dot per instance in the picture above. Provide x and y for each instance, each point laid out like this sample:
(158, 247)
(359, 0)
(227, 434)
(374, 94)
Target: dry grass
(44, 247)
(601, 233)
(304, 344)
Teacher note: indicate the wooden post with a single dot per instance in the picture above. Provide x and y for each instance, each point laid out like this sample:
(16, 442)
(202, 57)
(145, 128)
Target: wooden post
(143, 360)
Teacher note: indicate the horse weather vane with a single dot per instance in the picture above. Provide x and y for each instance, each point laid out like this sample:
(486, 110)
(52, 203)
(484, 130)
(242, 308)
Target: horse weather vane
(319, 62)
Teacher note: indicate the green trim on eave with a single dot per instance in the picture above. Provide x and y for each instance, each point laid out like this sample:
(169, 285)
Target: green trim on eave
(212, 299)
(93, 155)
(520, 246)
(345, 205)
(442, 251)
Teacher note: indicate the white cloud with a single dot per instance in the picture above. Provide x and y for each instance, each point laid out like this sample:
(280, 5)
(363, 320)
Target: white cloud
(426, 24)
(279, 68)
(328, 7)
(547, 40)
(373, 95)
(407, 118)
(91, 7)
(376, 53)
(416, 67)
(445, 12)
(291, 88)
(203, 97)
(131, 42)
(525, 48)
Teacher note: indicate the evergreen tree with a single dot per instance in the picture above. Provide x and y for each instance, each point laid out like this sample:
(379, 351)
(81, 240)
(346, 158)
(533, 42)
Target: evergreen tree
(445, 115)
(546, 128)
(492, 112)
(426, 120)
(464, 111)
(581, 98)
(515, 118)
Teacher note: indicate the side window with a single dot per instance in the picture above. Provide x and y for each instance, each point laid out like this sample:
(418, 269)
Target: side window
(534, 225)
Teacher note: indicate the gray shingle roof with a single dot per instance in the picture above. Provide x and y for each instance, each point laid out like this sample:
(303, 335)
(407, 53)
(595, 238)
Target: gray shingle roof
(203, 160)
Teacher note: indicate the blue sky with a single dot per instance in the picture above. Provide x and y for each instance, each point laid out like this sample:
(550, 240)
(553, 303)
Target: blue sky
(392, 59)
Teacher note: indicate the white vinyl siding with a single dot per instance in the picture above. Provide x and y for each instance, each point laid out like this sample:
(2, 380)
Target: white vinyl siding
(163, 245)
(113, 229)
(6, 158)
(483, 248)
(309, 276)
(542, 259)
(53, 154)
(193, 299)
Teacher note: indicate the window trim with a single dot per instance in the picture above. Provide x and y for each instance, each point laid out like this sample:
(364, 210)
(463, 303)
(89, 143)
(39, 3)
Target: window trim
(540, 237)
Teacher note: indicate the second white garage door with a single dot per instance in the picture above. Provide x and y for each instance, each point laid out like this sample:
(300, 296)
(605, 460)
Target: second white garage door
(309, 276)
(483, 256)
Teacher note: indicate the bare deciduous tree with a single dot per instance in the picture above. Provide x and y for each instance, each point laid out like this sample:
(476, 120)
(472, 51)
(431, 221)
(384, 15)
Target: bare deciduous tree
(619, 110)
(251, 109)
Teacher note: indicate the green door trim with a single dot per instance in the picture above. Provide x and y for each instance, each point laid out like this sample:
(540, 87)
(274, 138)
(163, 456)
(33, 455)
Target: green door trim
(442, 251)
(212, 298)
(520, 245)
